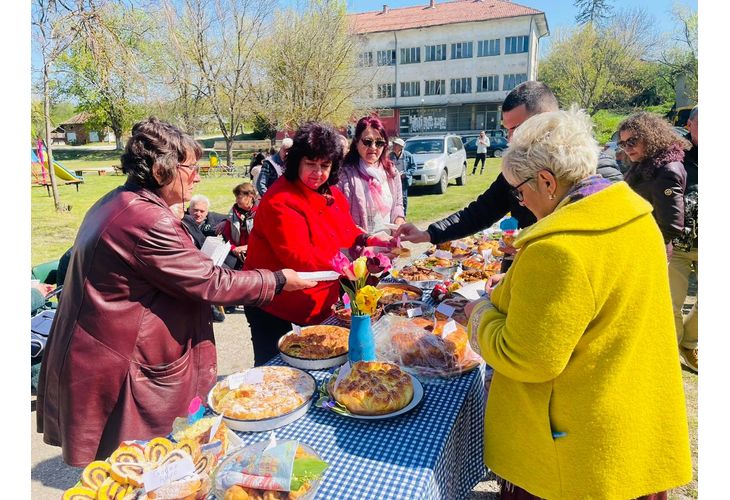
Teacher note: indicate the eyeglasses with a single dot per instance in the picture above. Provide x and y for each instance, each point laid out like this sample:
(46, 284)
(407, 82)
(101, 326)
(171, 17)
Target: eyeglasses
(515, 191)
(630, 142)
(195, 168)
(368, 143)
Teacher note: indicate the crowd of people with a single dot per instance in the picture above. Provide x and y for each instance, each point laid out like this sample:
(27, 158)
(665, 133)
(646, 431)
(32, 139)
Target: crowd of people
(586, 397)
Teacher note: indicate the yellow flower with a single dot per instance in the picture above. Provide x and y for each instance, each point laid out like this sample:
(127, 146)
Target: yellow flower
(360, 267)
(367, 299)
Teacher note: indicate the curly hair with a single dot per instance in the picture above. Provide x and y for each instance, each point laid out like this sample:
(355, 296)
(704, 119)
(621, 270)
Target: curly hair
(156, 142)
(654, 131)
(315, 141)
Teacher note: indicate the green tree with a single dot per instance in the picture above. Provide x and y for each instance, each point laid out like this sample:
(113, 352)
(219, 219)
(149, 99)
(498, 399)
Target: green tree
(592, 11)
(681, 57)
(309, 67)
(599, 67)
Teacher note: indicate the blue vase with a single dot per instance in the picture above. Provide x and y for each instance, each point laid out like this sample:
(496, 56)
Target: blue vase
(361, 342)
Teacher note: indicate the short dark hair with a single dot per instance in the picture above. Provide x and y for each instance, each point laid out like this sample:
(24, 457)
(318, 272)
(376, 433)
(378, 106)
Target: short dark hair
(156, 142)
(315, 141)
(536, 96)
(240, 188)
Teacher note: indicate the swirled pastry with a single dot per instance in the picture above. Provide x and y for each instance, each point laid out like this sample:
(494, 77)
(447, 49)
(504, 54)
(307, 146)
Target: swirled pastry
(283, 389)
(374, 388)
(316, 342)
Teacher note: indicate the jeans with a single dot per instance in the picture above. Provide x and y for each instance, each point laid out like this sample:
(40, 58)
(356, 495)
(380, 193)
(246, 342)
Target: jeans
(680, 267)
(404, 184)
(266, 330)
(480, 157)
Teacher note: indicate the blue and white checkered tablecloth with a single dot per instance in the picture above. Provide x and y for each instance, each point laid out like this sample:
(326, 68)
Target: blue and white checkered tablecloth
(434, 451)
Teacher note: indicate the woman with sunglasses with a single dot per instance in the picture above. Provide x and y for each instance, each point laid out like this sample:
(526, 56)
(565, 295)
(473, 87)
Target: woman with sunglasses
(302, 223)
(370, 181)
(586, 399)
(237, 227)
(132, 342)
(657, 173)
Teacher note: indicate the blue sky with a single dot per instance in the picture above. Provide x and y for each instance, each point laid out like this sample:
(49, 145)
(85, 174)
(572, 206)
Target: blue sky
(558, 12)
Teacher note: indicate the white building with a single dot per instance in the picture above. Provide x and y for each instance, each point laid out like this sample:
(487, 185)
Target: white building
(446, 66)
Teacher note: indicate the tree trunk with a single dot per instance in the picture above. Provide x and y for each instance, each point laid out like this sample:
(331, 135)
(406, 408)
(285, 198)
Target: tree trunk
(49, 149)
(229, 151)
(118, 138)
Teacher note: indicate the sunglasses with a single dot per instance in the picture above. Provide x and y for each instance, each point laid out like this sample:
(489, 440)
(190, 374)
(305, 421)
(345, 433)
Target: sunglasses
(515, 191)
(630, 142)
(195, 168)
(368, 143)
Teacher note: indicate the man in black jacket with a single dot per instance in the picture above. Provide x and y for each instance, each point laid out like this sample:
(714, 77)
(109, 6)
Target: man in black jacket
(527, 99)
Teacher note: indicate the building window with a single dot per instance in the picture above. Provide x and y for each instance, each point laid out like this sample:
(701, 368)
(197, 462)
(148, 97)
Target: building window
(365, 59)
(488, 48)
(410, 89)
(436, 52)
(410, 56)
(386, 58)
(435, 87)
(386, 90)
(462, 50)
(461, 85)
(487, 83)
(511, 81)
(515, 44)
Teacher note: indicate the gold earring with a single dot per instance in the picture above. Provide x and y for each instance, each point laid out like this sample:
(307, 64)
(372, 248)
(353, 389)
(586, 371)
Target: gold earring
(551, 196)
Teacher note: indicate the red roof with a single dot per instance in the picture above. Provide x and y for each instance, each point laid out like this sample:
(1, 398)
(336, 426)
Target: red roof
(421, 16)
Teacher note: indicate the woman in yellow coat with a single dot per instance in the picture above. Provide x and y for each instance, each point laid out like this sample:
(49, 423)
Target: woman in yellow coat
(586, 400)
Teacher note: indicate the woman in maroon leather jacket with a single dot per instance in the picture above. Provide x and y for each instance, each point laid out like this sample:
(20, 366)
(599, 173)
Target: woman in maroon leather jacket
(657, 172)
(133, 342)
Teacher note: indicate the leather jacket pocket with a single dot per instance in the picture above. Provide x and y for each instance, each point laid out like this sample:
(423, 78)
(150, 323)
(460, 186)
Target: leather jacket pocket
(169, 374)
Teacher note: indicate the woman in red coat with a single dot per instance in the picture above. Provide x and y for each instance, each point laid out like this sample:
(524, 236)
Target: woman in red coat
(132, 342)
(302, 222)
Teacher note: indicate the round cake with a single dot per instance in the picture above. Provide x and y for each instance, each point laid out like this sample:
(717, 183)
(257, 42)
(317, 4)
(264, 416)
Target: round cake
(316, 342)
(374, 388)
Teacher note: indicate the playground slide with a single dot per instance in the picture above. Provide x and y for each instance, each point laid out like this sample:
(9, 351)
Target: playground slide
(62, 172)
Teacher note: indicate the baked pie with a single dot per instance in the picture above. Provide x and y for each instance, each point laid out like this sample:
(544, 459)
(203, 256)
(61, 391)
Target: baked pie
(373, 388)
(281, 390)
(417, 273)
(316, 342)
(394, 293)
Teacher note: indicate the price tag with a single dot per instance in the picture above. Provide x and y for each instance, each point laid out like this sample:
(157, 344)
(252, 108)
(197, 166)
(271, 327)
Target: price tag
(446, 309)
(449, 328)
(460, 244)
(442, 254)
(487, 254)
(415, 312)
(404, 297)
(249, 377)
(167, 474)
(214, 427)
(296, 329)
(344, 371)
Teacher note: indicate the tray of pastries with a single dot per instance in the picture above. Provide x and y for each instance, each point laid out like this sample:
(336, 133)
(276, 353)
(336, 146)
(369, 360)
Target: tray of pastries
(315, 347)
(375, 390)
(421, 277)
(262, 398)
(395, 292)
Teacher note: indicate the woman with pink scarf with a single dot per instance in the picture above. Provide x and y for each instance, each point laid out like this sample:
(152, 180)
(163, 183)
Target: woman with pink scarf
(370, 181)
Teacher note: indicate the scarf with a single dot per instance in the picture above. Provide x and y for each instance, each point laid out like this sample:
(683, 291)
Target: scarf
(368, 174)
(238, 218)
(584, 187)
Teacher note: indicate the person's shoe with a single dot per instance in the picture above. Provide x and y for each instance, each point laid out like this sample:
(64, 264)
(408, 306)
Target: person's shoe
(229, 309)
(689, 357)
(218, 316)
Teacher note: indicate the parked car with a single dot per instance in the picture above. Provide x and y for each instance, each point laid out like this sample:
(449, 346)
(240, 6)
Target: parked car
(439, 159)
(497, 144)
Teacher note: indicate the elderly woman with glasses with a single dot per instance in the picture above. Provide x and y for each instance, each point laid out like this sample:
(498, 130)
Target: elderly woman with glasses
(657, 173)
(370, 181)
(132, 343)
(237, 227)
(302, 223)
(586, 398)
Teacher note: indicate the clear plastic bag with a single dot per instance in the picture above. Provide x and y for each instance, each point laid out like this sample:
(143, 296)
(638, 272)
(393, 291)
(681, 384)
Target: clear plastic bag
(425, 347)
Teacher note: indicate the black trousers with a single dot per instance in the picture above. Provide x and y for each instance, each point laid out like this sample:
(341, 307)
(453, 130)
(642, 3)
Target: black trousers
(480, 157)
(266, 330)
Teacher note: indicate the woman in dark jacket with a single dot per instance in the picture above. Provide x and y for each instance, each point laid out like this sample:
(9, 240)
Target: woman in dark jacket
(132, 342)
(656, 173)
(239, 221)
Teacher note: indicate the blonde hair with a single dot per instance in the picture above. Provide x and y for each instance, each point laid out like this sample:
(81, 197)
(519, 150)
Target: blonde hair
(559, 141)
